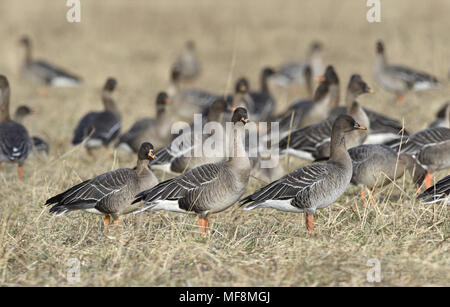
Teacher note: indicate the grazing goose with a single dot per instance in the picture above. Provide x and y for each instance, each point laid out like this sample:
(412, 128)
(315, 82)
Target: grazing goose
(185, 102)
(15, 143)
(442, 117)
(43, 73)
(309, 111)
(155, 129)
(400, 79)
(314, 186)
(209, 188)
(179, 155)
(109, 194)
(100, 128)
(297, 72)
(187, 63)
(313, 142)
(377, 165)
(430, 147)
(439, 193)
(39, 145)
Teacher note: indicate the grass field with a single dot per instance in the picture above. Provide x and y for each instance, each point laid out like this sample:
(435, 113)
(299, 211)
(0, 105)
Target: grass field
(136, 41)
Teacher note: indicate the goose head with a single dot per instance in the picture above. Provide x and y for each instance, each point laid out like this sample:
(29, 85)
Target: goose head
(110, 85)
(240, 115)
(242, 86)
(380, 47)
(345, 123)
(357, 86)
(146, 152)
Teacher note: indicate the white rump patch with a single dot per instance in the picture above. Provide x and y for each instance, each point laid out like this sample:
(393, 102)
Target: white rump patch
(64, 82)
(282, 205)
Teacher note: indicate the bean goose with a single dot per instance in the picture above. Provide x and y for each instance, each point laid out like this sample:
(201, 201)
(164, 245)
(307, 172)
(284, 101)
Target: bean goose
(439, 193)
(109, 194)
(155, 129)
(430, 147)
(314, 186)
(185, 102)
(377, 165)
(100, 128)
(187, 63)
(263, 101)
(39, 145)
(43, 73)
(15, 143)
(179, 155)
(442, 117)
(209, 188)
(296, 72)
(313, 142)
(309, 111)
(400, 79)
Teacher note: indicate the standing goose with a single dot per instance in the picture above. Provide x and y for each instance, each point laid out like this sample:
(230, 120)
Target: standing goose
(314, 186)
(431, 148)
(43, 73)
(179, 155)
(109, 194)
(209, 188)
(155, 129)
(313, 142)
(39, 145)
(15, 143)
(439, 193)
(377, 165)
(185, 102)
(100, 128)
(187, 63)
(296, 72)
(310, 111)
(400, 79)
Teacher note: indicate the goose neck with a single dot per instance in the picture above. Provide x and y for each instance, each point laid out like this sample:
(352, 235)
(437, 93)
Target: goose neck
(4, 104)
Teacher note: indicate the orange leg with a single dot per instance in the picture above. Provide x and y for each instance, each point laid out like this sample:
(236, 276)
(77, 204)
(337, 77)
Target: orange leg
(310, 223)
(204, 225)
(116, 222)
(90, 153)
(401, 99)
(108, 153)
(20, 172)
(106, 222)
(44, 92)
(428, 180)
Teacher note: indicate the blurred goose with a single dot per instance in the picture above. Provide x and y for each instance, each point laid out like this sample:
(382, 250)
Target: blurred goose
(314, 186)
(187, 63)
(400, 79)
(185, 102)
(100, 128)
(263, 101)
(439, 193)
(313, 142)
(442, 117)
(297, 72)
(430, 146)
(15, 143)
(109, 194)
(377, 165)
(309, 111)
(179, 155)
(43, 73)
(155, 129)
(39, 145)
(209, 188)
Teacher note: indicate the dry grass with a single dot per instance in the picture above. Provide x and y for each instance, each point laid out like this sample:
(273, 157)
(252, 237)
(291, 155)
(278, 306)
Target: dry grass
(136, 42)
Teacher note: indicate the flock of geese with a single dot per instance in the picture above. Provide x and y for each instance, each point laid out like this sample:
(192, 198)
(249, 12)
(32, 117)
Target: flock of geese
(348, 144)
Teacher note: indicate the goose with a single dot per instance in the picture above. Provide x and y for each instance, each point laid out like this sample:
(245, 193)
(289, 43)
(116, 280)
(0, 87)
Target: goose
(100, 128)
(313, 142)
(43, 73)
(429, 146)
(39, 145)
(109, 194)
(263, 101)
(314, 186)
(439, 193)
(179, 155)
(187, 64)
(442, 116)
(15, 143)
(309, 111)
(376, 165)
(209, 188)
(400, 79)
(297, 72)
(155, 129)
(185, 102)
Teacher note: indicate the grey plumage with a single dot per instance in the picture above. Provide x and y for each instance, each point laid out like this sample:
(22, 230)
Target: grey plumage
(438, 193)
